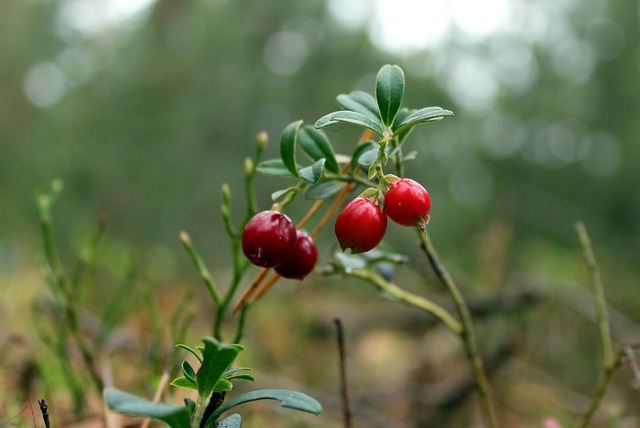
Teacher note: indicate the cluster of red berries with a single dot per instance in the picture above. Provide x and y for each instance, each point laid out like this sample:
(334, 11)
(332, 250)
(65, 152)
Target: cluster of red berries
(361, 224)
(270, 240)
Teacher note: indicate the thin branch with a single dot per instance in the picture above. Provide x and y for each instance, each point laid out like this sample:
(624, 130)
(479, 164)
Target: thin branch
(621, 353)
(467, 333)
(267, 285)
(598, 289)
(201, 266)
(344, 387)
(409, 298)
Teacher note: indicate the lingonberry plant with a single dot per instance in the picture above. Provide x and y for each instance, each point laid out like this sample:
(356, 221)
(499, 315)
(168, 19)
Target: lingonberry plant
(270, 240)
(212, 381)
(361, 224)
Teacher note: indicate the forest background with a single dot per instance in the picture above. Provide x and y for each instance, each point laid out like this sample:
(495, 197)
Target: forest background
(145, 108)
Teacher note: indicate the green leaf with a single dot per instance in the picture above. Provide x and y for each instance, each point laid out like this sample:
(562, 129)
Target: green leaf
(401, 116)
(217, 358)
(288, 399)
(316, 144)
(242, 376)
(236, 370)
(233, 421)
(348, 262)
(123, 402)
(359, 151)
(279, 193)
(346, 116)
(236, 373)
(313, 173)
(190, 350)
(371, 172)
(323, 189)
(361, 102)
(288, 141)
(274, 167)
(367, 158)
(188, 371)
(427, 114)
(190, 405)
(184, 382)
(389, 92)
(223, 385)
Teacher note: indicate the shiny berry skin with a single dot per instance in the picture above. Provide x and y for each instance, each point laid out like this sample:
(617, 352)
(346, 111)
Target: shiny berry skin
(268, 238)
(360, 226)
(407, 203)
(302, 259)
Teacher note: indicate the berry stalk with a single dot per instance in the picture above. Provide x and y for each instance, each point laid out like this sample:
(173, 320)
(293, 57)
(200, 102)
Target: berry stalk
(467, 334)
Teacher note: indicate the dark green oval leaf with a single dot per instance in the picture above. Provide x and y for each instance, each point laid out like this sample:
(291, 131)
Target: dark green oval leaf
(323, 190)
(346, 116)
(123, 402)
(361, 102)
(427, 114)
(316, 144)
(288, 141)
(313, 173)
(288, 399)
(389, 92)
(274, 167)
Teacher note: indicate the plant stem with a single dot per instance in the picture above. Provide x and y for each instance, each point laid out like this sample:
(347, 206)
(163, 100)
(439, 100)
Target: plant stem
(409, 298)
(598, 289)
(467, 332)
(202, 268)
(609, 369)
(344, 387)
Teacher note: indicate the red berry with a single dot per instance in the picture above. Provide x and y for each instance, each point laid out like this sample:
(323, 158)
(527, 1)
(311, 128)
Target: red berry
(360, 226)
(268, 238)
(301, 260)
(407, 203)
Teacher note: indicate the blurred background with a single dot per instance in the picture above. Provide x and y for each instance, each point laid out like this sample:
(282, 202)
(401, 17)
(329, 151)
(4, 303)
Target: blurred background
(144, 108)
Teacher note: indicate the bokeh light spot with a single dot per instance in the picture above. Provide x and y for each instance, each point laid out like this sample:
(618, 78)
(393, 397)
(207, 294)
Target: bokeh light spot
(44, 84)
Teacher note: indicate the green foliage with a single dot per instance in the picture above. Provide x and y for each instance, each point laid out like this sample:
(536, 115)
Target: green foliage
(123, 402)
(212, 378)
(380, 114)
(389, 92)
(392, 127)
(316, 144)
(288, 399)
